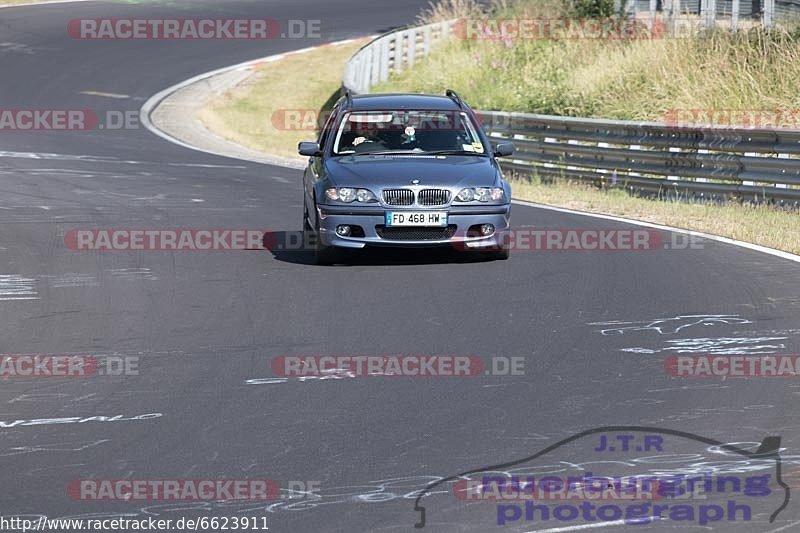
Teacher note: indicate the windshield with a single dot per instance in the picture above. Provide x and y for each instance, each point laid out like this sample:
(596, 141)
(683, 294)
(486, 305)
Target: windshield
(371, 132)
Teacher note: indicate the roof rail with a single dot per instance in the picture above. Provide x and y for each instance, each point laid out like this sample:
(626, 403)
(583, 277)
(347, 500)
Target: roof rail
(348, 97)
(454, 97)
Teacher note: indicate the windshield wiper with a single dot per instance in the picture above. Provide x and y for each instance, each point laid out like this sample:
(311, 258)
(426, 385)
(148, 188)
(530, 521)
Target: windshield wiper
(452, 152)
(390, 152)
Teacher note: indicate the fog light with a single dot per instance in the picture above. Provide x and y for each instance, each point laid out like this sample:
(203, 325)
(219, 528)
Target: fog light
(487, 229)
(343, 230)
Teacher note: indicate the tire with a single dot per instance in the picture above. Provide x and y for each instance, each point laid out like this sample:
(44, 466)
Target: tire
(502, 252)
(499, 255)
(306, 224)
(323, 255)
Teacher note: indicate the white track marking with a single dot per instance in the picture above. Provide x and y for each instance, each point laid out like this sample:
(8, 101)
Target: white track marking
(588, 526)
(152, 103)
(44, 3)
(106, 95)
(784, 528)
(726, 240)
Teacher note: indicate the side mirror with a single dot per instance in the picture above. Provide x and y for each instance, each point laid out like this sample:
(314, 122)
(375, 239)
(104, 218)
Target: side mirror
(311, 149)
(503, 149)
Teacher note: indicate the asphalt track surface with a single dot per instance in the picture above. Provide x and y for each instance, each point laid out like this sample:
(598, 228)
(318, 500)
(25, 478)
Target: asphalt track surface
(203, 324)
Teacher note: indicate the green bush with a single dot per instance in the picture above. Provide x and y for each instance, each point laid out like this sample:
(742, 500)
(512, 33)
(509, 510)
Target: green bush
(592, 8)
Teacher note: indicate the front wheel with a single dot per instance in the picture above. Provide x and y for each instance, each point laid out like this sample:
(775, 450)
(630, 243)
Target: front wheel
(499, 255)
(306, 223)
(323, 255)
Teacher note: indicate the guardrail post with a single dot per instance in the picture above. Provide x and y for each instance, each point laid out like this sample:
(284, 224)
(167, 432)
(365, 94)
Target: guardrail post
(375, 69)
(426, 40)
(708, 13)
(629, 8)
(398, 63)
(384, 60)
(735, 15)
(768, 16)
(676, 15)
(444, 30)
(366, 73)
(671, 9)
(412, 47)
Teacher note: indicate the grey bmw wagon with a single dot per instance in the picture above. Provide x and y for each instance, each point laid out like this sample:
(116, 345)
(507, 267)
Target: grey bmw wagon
(405, 170)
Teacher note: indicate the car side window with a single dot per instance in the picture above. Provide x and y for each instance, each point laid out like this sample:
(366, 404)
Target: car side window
(326, 129)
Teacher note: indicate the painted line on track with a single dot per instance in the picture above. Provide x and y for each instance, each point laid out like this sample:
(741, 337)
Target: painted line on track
(152, 103)
(710, 236)
(588, 526)
(45, 3)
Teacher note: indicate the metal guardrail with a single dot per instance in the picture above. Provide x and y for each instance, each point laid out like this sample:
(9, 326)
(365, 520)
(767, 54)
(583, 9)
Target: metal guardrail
(643, 157)
(392, 52)
(652, 157)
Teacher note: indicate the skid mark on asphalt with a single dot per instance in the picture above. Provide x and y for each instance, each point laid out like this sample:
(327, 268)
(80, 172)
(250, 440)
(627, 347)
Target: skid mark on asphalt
(57, 447)
(60, 281)
(719, 346)
(16, 287)
(133, 274)
(75, 420)
(668, 326)
(754, 343)
(15, 47)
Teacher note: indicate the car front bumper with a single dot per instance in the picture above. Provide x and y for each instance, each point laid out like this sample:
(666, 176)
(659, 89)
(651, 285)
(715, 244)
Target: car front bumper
(372, 219)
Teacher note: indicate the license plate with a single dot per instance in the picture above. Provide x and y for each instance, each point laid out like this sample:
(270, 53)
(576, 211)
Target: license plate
(416, 218)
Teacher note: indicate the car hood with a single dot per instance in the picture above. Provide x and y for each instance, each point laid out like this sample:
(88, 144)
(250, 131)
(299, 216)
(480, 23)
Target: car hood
(399, 170)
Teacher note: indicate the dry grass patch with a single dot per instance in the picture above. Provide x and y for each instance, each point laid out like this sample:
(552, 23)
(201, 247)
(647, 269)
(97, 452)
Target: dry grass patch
(251, 114)
(762, 225)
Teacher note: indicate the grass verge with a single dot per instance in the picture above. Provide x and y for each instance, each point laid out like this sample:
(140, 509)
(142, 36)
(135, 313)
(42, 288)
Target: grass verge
(262, 112)
(762, 225)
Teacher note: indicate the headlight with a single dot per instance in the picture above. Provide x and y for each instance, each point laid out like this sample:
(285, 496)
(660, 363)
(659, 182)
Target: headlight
(349, 194)
(365, 195)
(465, 195)
(481, 194)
